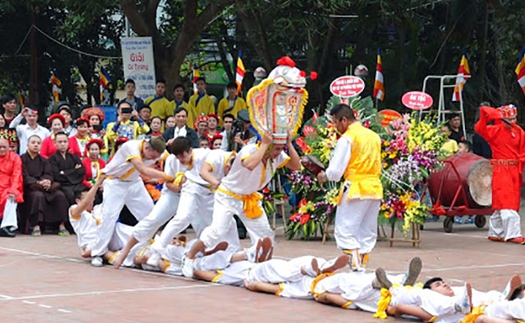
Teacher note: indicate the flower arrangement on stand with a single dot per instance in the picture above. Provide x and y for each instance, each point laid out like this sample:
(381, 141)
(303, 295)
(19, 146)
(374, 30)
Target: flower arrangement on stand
(409, 154)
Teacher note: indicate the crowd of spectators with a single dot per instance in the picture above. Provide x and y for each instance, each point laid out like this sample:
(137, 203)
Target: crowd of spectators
(64, 152)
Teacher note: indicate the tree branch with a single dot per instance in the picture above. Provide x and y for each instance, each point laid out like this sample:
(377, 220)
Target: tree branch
(135, 18)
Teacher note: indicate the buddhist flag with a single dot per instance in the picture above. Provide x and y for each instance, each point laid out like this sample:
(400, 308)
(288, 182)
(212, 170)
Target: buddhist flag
(104, 81)
(56, 86)
(379, 84)
(240, 72)
(196, 75)
(462, 78)
(520, 70)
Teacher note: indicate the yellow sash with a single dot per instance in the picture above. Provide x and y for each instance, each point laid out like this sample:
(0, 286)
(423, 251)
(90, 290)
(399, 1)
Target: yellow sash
(251, 203)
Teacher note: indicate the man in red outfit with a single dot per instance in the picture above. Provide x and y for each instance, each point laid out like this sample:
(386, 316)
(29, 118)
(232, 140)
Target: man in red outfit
(507, 141)
(10, 189)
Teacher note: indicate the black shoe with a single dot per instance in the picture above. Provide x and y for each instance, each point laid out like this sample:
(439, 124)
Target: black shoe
(5, 232)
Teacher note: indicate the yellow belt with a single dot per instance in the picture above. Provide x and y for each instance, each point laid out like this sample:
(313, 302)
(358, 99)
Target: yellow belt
(251, 202)
(316, 281)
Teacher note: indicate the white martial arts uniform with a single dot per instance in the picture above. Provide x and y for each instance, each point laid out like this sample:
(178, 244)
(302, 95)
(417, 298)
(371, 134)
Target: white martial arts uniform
(276, 271)
(234, 274)
(355, 219)
(241, 183)
(505, 224)
(88, 227)
(85, 226)
(196, 200)
(508, 310)
(355, 287)
(441, 306)
(123, 186)
(9, 217)
(165, 208)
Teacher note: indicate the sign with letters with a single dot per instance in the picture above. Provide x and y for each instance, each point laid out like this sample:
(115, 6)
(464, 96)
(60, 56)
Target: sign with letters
(139, 64)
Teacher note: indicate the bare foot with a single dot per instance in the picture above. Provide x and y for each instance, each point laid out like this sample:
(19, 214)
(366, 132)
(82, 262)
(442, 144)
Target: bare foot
(266, 245)
(221, 246)
(339, 263)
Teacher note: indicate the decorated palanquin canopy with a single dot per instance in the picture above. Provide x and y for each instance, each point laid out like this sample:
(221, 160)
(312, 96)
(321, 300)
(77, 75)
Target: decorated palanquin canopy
(9, 135)
(277, 103)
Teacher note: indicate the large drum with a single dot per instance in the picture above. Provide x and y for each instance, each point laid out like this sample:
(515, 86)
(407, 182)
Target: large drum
(472, 172)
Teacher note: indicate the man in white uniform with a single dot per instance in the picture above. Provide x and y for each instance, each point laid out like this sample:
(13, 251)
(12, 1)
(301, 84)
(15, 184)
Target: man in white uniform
(196, 202)
(164, 209)
(88, 223)
(357, 158)
(123, 185)
(441, 303)
(237, 193)
(506, 311)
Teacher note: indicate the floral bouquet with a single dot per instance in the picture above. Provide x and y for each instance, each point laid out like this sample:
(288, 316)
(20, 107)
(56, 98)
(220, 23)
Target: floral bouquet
(408, 156)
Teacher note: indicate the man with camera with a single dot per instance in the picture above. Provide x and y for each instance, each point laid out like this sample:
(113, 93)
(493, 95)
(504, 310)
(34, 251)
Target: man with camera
(24, 131)
(125, 127)
(240, 133)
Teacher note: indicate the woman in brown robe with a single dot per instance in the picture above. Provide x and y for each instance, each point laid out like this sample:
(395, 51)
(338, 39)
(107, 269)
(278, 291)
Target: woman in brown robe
(44, 202)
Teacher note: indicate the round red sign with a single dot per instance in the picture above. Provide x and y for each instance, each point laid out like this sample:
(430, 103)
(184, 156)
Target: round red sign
(416, 100)
(386, 116)
(347, 86)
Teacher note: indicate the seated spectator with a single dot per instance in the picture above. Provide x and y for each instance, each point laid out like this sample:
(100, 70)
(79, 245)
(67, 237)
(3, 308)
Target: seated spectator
(64, 109)
(92, 166)
(145, 114)
(170, 122)
(78, 142)
(156, 127)
(124, 127)
(201, 125)
(25, 131)
(56, 122)
(3, 125)
(216, 142)
(204, 142)
(44, 202)
(464, 146)
(96, 117)
(213, 121)
(67, 168)
(181, 129)
(11, 190)
(450, 147)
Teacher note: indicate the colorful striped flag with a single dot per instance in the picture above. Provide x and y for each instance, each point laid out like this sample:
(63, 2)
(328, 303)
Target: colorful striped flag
(520, 70)
(196, 74)
(240, 72)
(462, 78)
(379, 84)
(56, 86)
(104, 81)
